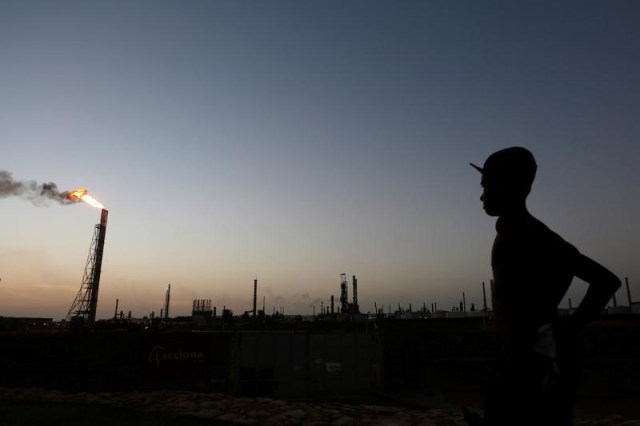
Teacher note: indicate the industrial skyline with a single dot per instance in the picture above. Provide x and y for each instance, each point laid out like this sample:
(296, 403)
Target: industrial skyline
(85, 303)
(295, 141)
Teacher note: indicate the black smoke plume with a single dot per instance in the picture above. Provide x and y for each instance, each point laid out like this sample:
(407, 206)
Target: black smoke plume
(37, 193)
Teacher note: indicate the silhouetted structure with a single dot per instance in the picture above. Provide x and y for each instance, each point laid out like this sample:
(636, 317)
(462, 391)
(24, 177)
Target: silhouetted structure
(167, 301)
(201, 312)
(86, 301)
(484, 298)
(255, 296)
(344, 294)
(355, 308)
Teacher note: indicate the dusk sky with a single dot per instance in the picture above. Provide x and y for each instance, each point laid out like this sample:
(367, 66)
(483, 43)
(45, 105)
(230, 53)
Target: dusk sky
(296, 140)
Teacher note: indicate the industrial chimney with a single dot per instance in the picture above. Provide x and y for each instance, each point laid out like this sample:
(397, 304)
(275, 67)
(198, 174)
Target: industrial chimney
(167, 299)
(255, 295)
(356, 309)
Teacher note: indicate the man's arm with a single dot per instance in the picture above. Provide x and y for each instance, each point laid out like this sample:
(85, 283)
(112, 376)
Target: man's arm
(602, 285)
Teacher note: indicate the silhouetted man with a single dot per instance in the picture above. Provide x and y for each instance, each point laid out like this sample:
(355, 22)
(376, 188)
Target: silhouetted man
(533, 268)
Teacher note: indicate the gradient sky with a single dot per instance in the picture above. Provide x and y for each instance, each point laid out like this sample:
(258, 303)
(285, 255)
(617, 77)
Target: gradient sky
(296, 140)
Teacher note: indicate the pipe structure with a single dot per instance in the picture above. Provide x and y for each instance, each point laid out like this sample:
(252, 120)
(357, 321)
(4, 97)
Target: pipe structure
(97, 268)
(86, 301)
(491, 286)
(356, 308)
(167, 299)
(484, 298)
(255, 295)
(344, 294)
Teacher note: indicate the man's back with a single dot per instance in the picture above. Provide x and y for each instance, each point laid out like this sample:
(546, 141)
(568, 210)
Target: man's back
(533, 268)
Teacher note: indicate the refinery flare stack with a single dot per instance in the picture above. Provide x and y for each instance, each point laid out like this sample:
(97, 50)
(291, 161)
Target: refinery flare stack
(85, 304)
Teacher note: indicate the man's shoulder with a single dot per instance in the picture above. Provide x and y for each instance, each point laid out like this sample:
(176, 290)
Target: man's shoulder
(523, 227)
(532, 232)
(550, 239)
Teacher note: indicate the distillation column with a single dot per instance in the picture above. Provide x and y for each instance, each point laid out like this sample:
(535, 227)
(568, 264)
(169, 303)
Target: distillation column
(344, 294)
(356, 308)
(167, 300)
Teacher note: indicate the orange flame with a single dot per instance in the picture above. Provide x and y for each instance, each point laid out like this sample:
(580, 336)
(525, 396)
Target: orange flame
(81, 194)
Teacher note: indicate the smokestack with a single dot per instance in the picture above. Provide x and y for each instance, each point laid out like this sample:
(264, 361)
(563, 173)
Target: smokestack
(255, 295)
(484, 298)
(167, 299)
(491, 291)
(626, 280)
(356, 308)
(332, 310)
(115, 315)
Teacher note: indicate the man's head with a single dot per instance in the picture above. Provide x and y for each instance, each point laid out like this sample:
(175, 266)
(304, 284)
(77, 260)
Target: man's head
(507, 176)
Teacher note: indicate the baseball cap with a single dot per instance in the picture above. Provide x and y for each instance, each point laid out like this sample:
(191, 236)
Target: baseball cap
(515, 164)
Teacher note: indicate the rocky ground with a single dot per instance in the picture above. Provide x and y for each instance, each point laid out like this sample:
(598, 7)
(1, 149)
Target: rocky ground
(27, 407)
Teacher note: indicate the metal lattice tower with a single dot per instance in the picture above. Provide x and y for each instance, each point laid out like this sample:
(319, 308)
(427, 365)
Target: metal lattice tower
(86, 301)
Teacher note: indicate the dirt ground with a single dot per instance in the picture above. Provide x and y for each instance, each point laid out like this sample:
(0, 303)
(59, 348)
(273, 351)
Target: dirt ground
(66, 414)
(37, 407)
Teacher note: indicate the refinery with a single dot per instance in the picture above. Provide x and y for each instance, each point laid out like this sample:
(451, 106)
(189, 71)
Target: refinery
(204, 313)
(339, 350)
(344, 308)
